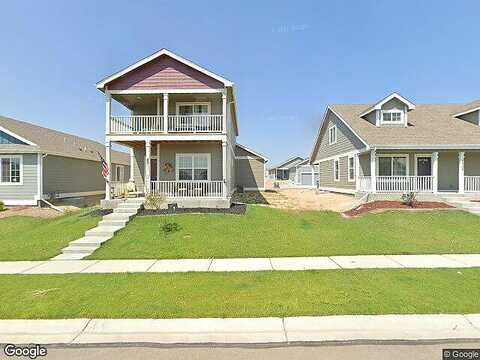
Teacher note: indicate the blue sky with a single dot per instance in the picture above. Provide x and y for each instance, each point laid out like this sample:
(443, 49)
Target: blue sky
(287, 59)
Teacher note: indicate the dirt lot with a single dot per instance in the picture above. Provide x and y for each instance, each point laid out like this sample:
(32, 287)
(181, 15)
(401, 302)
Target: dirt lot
(301, 199)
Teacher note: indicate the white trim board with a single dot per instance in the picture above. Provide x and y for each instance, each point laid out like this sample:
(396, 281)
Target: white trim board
(206, 137)
(466, 112)
(101, 84)
(349, 153)
(19, 202)
(251, 151)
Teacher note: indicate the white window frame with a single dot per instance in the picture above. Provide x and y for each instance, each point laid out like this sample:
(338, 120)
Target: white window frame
(330, 129)
(335, 178)
(423, 156)
(406, 156)
(20, 157)
(391, 112)
(351, 179)
(209, 165)
(193, 103)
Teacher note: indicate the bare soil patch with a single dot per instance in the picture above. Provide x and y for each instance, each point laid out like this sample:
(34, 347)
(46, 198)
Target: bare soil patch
(386, 204)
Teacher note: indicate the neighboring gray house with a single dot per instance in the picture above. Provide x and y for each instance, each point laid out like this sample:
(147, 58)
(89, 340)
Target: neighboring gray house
(306, 175)
(285, 170)
(395, 146)
(250, 169)
(36, 162)
(181, 130)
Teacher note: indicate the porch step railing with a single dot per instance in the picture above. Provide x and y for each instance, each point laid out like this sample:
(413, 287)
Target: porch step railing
(188, 189)
(195, 123)
(472, 183)
(398, 184)
(136, 124)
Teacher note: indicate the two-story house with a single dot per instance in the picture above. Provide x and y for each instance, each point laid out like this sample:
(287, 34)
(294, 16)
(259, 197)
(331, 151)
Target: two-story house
(395, 146)
(181, 127)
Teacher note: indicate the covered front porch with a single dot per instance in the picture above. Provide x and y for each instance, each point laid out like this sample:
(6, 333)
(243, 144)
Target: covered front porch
(422, 171)
(180, 170)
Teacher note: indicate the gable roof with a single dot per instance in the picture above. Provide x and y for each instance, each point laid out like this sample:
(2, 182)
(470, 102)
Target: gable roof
(101, 84)
(428, 125)
(293, 161)
(252, 151)
(468, 108)
(40, 139)
(386, 99)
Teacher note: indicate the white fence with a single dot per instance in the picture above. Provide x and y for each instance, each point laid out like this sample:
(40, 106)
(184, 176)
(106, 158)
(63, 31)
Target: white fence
(188, 189)
(472, 183)
(195, 123)
(398, 183)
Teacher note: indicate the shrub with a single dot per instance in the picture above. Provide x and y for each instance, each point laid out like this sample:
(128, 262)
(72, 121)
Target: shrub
(154, 201)
(410, 199)
(2, 206)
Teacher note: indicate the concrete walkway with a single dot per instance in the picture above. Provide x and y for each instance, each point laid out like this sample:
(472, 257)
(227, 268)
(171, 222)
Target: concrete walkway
(468, 202)
(106, 229)
(246, 264)
(242, 330)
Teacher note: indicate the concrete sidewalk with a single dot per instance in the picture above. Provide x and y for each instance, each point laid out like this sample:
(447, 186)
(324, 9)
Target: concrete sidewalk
(245, 264)
(242, 330)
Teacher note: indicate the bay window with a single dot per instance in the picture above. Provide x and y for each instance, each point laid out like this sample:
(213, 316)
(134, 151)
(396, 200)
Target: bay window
(192, 167)
(10, 170)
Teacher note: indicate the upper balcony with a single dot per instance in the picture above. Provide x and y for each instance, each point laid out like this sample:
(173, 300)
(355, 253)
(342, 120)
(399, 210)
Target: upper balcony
(186, 114)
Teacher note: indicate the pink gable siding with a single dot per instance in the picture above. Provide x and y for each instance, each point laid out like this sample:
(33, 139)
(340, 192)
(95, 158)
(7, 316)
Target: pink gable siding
(164, 73)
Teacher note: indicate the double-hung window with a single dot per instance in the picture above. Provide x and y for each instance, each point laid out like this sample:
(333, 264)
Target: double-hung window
(392, 117)
(351, 168)
(10, 170)
(193, 167)
(332, 135)
(336, 169)
(392, 165)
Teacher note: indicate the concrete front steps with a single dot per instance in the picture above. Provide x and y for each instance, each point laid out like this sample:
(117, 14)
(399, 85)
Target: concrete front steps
(106, 229)
(464, 202)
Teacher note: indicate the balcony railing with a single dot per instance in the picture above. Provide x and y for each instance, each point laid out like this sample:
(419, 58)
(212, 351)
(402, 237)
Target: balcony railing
(397, 184)
(472, 183)
(141, 124)
(188, 189)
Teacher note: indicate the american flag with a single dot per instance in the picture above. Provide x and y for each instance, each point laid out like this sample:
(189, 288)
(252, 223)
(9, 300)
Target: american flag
(105, 168)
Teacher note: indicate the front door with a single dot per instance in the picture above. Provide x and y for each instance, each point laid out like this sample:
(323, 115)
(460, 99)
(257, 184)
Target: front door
(424, 166)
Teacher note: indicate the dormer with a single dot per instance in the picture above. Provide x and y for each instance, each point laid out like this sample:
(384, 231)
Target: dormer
(470, 113)
(391, 111)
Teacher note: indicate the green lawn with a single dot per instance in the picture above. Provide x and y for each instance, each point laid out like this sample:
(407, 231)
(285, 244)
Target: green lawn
(265, 232)
(393, 291)
(28, 238)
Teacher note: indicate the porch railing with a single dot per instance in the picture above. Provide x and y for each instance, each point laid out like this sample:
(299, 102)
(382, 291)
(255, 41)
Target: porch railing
(195, 123)
(118, 188)
(472, 183)
(136, 124)
(398, 183)
(188, 189)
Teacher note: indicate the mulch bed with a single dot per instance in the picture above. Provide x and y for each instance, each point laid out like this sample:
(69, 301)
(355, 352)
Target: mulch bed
(97, 212)
(236, 209)
(380, 205)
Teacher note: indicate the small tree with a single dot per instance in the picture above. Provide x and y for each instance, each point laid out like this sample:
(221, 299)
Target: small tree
(410, 199)
(2, 206)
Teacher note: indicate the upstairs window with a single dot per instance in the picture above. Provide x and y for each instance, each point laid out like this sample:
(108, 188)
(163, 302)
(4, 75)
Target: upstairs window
(392, 117)
(332, 135)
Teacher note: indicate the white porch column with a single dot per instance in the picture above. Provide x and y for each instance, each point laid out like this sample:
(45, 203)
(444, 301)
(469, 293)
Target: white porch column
(224, 112)
(108, 157)
(435, 171)
(132, 162)
(108, 111)
(224, 168)
(373, 170)
(461, 172)
(165, 112)
(357, 173)
(148, 156)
